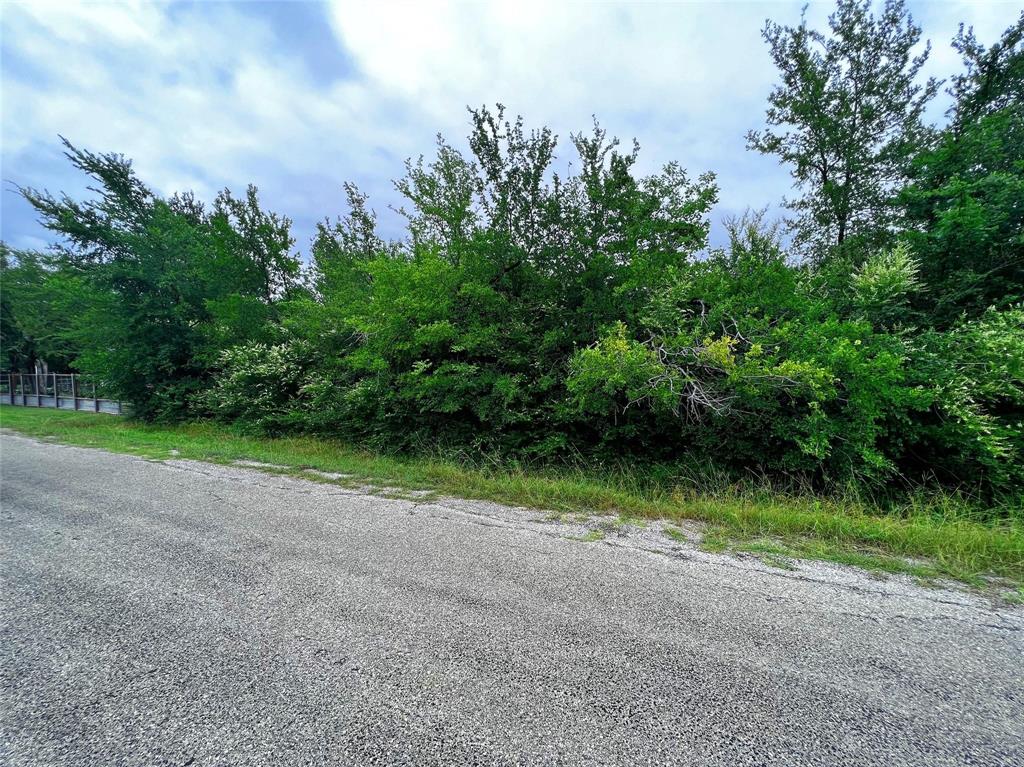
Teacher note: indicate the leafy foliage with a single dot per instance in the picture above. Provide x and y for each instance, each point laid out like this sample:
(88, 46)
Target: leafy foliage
(974, 429)
(538, 315)
(964, 202)
(145, 291)
(847, 118)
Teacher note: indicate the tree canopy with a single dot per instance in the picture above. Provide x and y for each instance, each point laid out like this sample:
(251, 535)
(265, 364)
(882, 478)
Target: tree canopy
(847, 119)
(533, 315)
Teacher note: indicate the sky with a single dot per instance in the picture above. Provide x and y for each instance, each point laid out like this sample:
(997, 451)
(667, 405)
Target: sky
(299, 97)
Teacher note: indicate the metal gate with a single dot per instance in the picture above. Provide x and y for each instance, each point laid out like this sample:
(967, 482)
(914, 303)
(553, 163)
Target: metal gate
(63, 391)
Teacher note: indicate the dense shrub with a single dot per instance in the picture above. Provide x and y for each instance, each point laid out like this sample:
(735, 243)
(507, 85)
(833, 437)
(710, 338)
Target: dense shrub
(259, 387)
(537, 315)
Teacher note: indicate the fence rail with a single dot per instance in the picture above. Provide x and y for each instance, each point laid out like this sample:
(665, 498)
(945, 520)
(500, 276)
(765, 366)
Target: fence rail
(63, 391)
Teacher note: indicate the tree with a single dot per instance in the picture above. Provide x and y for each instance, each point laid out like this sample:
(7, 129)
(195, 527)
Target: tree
(151, 289)
(993, 79)
(847, 118)
(38, 301)
(17, 350)
(964, 201)
(462, 332)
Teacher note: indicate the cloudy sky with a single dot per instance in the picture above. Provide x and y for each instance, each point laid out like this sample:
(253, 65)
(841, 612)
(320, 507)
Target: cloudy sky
(298, 97)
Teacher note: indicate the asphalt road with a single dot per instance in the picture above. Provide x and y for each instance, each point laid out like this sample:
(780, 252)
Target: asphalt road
(181, 613)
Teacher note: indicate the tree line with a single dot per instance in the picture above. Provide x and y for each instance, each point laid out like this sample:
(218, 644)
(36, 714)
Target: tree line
(538, 316)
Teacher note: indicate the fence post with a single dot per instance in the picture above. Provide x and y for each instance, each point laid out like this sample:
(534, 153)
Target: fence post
(17, 391)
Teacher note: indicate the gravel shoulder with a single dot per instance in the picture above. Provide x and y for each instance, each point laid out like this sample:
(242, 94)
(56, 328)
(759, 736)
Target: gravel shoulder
(181, 613)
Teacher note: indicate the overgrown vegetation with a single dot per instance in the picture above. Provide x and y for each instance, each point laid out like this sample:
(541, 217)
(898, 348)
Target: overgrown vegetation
(927, 535)
(534, 318)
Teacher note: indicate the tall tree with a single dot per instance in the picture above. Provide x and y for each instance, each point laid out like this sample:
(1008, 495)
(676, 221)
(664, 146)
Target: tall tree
(35, 313)
(847, 118)
(17, 349)
(156, 288)
(964, 202)
(993, 78)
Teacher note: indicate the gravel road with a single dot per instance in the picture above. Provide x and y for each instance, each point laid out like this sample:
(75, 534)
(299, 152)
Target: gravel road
(181, 613)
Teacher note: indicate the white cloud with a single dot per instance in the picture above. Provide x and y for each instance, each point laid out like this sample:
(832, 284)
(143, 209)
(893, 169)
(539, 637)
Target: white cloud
(672, 71)
(207, 95)
(200, 99)
(687, 79)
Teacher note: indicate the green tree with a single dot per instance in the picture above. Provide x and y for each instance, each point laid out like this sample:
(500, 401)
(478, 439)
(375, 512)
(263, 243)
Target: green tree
(39, 297)
(741, 361)
(462, 332)
(972, 433)
(17, 349)
(847, 119)
(993, 78)
(964, 202)
(150, 288)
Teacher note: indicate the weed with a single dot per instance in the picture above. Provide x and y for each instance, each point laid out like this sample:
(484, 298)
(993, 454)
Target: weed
(591, 536)
(927, 538)
(676, 534)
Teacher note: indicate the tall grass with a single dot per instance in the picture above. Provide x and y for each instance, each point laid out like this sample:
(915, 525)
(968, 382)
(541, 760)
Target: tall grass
(950, 534)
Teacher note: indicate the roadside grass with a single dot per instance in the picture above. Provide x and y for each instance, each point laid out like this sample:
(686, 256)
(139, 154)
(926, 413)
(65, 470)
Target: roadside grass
(591, 536)
(928, 537)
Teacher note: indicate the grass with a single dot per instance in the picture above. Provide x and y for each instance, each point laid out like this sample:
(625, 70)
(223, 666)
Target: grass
(927, 538)
(591, 536)
(676, 534)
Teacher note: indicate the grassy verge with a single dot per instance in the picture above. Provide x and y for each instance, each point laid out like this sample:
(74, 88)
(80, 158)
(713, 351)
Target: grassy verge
(937, 538)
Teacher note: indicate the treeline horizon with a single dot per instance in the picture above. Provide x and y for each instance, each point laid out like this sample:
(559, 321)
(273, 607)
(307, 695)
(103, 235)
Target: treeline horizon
(532, 316)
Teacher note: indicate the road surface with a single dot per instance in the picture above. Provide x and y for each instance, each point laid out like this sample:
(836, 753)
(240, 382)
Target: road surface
(180, 613)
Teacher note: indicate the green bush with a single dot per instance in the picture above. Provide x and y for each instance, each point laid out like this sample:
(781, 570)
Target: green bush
(259, 387)
(539, 316)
